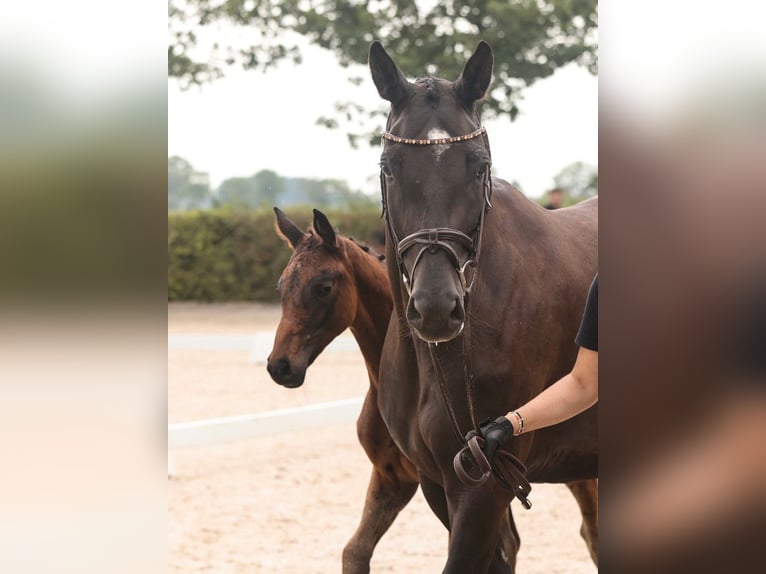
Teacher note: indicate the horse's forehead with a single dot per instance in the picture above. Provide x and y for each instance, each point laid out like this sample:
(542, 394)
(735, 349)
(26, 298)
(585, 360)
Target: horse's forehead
(434, 112)
(291, 276)
(435, 105)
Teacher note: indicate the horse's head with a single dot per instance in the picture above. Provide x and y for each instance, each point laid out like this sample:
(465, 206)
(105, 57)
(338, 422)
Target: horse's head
(318, 298)
(436, 184)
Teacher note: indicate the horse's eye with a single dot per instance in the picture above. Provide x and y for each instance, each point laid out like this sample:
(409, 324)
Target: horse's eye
(482, 171)
(385, 169)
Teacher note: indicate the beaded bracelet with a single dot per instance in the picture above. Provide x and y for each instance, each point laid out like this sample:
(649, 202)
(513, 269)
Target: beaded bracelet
(520, 420)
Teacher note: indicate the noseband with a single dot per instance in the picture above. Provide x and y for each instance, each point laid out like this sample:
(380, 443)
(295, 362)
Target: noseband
(437, 238)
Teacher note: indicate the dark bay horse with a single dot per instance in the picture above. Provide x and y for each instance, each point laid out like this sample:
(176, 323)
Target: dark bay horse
(331, 283)
(468, 254)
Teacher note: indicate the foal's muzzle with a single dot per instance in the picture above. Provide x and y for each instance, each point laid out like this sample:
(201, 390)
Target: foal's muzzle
(284, 373)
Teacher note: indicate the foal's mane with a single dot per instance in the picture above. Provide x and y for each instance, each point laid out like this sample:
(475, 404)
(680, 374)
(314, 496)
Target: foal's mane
(367, 249)
(313, 241)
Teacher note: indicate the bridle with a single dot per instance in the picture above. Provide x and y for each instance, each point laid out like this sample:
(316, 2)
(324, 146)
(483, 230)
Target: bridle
(437, 238)
(509, 470)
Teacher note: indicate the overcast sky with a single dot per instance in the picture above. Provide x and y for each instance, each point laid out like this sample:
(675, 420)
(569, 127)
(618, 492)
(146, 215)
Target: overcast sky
(250, 121)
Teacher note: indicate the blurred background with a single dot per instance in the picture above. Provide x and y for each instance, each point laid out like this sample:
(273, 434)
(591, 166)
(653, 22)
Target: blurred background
(82, 286)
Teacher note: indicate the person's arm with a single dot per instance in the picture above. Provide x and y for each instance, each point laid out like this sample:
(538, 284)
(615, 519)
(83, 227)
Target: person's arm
(575, 391)
(567, 397)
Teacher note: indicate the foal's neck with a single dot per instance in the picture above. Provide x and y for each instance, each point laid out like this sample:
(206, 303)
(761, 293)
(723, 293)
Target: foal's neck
(374, 304)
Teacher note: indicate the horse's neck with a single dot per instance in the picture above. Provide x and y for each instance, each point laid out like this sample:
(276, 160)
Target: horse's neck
(512, 223)
(374, 304)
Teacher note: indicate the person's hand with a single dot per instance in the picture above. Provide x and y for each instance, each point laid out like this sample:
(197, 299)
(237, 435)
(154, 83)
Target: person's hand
(496, 433)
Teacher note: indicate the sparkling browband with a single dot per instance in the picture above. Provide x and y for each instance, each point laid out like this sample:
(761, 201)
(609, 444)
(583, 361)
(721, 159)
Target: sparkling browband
(439, 141)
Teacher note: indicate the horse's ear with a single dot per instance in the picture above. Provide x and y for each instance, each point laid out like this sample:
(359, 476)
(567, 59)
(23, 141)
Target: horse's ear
(288, 229)
(324, 229)
(476, 76)
(388, 78)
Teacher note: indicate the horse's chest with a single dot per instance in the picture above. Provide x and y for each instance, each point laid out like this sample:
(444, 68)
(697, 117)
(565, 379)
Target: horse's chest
(419, 427)
(415, 425)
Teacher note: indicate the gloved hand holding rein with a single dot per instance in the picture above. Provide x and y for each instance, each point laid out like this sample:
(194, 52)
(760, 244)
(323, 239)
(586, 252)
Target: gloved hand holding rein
(496, 433)
(485, 452)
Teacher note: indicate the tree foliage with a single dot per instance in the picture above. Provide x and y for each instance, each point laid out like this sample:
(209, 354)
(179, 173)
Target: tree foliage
(531, 39)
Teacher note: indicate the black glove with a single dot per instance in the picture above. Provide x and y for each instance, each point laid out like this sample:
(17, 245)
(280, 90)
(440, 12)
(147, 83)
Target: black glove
(496, 433)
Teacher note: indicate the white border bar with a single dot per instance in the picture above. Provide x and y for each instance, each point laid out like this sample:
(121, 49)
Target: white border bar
(212, 431)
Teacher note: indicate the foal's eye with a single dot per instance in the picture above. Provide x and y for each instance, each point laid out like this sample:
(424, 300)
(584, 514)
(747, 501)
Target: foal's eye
(323, 289)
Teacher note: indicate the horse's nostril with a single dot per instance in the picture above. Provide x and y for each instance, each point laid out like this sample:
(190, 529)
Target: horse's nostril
(283, 367)
(414, 316)
(458, 312)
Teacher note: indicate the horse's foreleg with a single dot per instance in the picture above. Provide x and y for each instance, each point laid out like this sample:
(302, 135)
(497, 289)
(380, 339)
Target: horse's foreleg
(483, 538)
(434, 495)
(509, 543)
(392, 485)
(586, 494)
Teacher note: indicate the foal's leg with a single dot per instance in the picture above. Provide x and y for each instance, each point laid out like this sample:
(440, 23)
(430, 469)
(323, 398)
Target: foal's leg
(586, 494)
(392, 485)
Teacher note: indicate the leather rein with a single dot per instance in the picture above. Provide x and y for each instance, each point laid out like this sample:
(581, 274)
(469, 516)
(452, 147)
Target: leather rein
(509, 471)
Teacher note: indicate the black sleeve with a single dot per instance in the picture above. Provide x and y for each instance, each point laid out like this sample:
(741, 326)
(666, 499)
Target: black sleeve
(748, 343)
(587, 336)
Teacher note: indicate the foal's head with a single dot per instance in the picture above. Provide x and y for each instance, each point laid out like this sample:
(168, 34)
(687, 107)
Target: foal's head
(318, 295)
(435, 182)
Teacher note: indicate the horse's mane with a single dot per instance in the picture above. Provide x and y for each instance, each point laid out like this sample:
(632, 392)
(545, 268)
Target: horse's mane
(433, 90)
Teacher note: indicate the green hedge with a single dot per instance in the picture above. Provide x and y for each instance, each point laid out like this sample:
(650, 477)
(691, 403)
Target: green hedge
(230, 255)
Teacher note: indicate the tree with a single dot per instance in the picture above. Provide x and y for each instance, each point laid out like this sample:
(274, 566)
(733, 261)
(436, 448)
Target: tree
(187, 188)
(267, 189)
(270, 187)
(261, 190)
(579, 181)
(531, 39)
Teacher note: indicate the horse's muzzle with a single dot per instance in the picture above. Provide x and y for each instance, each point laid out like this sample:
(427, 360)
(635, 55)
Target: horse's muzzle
(436, 319)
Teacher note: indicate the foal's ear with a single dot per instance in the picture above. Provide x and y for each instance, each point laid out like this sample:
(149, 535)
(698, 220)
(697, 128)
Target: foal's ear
(476, 76)
(324, 229)
(288, 229)
(388, 78)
